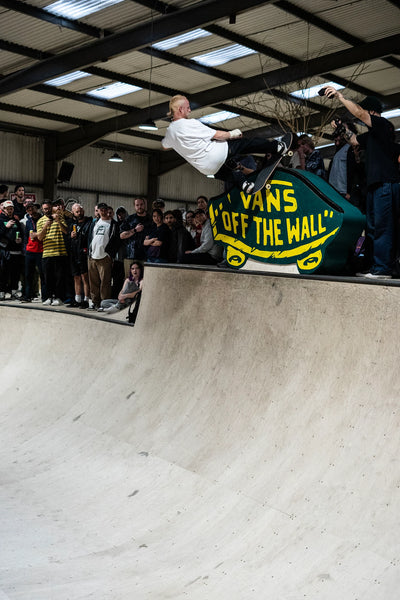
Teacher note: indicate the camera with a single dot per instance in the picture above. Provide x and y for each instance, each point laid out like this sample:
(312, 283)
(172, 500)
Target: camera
(340, 128)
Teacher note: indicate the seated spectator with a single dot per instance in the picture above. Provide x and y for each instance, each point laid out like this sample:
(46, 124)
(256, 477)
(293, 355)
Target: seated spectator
(310, 159)
(208, 253)
(158, 240)
(78, 229)
(103, 246)
(11, 257)
(33, 254)
(132, 286)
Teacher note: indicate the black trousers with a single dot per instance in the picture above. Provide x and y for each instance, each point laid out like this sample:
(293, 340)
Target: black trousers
(55, 269)
(236, 148)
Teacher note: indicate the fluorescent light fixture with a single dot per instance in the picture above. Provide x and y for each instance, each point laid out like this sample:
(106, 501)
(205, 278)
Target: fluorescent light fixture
(311, 92)
(65, 79)
(223, 55)
(391, 114)
(180, 39)
(325, 146)
(222, 115)
(115, 158)
(113, 90)
(76, 9)
(210, 177)
(148, 125)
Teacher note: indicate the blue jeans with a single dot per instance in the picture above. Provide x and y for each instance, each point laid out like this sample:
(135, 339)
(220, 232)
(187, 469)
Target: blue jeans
(382, 212)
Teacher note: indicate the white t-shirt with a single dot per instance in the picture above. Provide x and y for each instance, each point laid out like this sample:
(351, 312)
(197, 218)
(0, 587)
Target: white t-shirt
(191, 139)
(101, 237)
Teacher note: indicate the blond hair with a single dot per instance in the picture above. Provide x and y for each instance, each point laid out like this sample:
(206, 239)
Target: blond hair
(175, 103)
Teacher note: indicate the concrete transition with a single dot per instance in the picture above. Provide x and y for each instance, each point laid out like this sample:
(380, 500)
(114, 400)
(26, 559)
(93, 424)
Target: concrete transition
(241, 441)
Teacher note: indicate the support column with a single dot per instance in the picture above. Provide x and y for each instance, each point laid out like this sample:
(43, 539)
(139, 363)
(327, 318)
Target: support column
(153, 177)
(50, 169)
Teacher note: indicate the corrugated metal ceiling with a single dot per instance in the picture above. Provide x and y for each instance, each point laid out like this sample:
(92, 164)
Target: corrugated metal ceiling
(277, 25)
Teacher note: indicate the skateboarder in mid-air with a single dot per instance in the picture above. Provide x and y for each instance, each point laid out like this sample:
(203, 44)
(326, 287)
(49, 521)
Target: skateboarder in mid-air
(214, 152)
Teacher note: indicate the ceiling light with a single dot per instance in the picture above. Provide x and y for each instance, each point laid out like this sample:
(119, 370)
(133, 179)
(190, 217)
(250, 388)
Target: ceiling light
(181, 39)
(223, 55)
(222, 115)
(114, 90)
(391, 114)
(148, 125)
(76, 9)
(65, 79)
(115, 158)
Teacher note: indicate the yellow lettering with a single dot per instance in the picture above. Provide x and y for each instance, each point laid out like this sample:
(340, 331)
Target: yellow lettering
(226, 218)
(320, 228)
(244, 221)
(289, 200)
(268, 228)
(245, 199)
(305, 228)
(293, 231)
(258, 221)
(272, 201)
(277, 232)
(313, 232)
(235, 221)
(258, 201)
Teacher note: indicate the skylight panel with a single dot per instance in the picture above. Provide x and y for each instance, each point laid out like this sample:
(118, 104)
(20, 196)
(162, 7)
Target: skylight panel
(223, 55)
(76, 9)
(311, 92)
(68, 78)
(391, 114)
(222, 115)
(181, 39)
(113, 90)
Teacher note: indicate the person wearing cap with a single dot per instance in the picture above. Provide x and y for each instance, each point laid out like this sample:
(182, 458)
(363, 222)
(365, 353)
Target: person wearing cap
(383, 181)
(11, 257)
(210, 151)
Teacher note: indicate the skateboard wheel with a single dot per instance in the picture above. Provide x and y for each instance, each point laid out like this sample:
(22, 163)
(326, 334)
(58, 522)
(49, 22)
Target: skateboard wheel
(290, 153)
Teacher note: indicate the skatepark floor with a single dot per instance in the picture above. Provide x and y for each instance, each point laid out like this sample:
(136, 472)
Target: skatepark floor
(241, 441)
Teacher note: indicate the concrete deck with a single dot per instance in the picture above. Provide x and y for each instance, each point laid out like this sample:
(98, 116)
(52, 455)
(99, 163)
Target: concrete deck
(240, 442)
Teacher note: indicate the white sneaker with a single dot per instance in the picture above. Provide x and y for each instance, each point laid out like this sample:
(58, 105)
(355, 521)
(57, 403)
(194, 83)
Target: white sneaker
(47, 302)
(57, 302)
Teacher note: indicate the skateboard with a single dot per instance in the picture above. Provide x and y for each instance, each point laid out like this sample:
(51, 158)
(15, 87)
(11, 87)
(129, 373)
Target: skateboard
(266, 173)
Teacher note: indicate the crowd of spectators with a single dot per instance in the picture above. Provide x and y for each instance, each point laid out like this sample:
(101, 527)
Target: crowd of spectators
(63, 257)
(57, 256)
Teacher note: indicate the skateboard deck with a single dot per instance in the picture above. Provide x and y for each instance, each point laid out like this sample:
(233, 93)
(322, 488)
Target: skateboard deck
(266, 173)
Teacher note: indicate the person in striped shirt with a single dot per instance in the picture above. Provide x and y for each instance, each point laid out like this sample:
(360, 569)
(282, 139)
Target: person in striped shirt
(51, 229)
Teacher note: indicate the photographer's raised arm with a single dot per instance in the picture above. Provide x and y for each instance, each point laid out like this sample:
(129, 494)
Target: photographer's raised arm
(355, 109)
